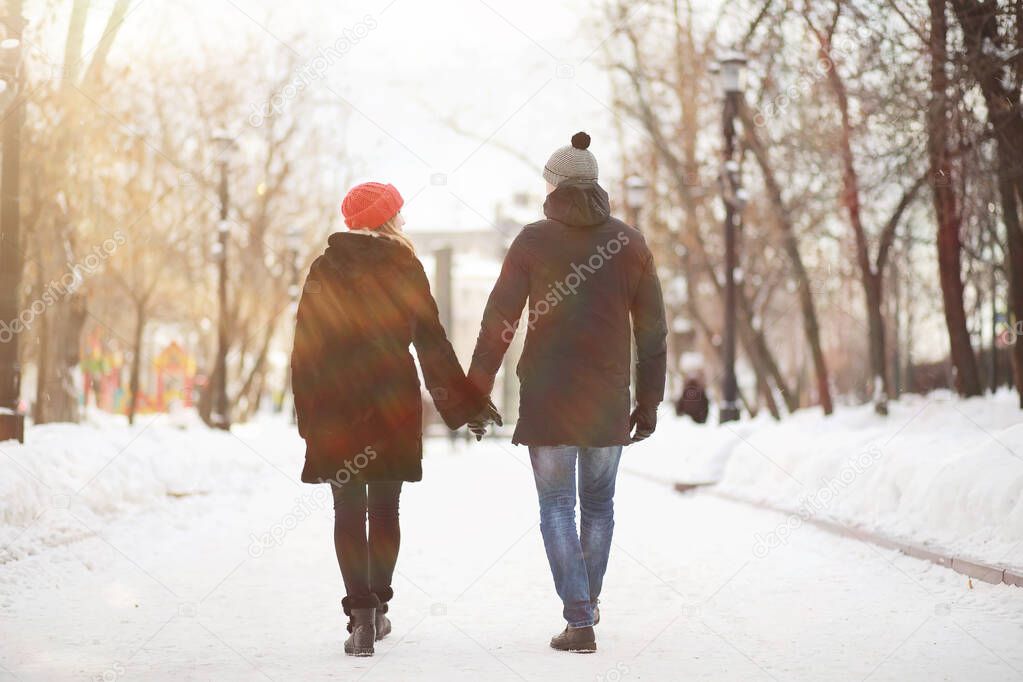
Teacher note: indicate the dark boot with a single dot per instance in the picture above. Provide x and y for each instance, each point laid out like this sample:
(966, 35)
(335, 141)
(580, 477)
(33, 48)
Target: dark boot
(361, 612)
(577, 640)
(383, 623)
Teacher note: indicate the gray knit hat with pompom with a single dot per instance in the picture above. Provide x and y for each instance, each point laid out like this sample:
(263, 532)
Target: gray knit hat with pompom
(574, 162)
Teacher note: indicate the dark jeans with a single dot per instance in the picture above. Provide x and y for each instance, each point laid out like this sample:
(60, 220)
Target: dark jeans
(367, 560)
(578, 558)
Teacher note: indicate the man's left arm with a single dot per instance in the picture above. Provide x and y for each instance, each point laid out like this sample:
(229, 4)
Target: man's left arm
(651, 333)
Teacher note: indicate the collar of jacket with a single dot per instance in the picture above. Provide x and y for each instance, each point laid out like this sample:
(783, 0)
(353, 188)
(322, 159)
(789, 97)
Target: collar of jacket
(353, 254)
(580, 203)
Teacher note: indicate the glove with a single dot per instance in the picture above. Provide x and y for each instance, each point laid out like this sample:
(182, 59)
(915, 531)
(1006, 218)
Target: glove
(644, 421)
(478, 424)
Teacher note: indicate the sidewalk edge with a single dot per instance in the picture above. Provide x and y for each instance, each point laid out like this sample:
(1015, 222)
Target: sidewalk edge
(973, 568)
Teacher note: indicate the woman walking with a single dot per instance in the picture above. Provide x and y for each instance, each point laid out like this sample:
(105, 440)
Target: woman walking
(357, 392)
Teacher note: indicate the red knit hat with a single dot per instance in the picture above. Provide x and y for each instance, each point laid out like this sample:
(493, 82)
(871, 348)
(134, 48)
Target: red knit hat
(370, 205)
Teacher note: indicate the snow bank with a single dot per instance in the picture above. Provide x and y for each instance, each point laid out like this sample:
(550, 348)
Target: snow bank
(938, 470)
(68, 478)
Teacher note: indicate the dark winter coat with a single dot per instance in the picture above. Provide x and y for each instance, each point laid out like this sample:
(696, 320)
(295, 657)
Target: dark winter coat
(357, 392)
(583, 273)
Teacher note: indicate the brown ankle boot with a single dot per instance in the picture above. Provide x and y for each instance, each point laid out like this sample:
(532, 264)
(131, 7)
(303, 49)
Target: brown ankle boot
(383, 623)
(576, 640)
(361, 613)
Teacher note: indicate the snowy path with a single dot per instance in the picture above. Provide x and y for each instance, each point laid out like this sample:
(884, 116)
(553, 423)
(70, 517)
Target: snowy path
(176, 593)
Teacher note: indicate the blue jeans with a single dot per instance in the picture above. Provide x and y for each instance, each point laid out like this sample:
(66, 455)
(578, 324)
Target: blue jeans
(578, 560)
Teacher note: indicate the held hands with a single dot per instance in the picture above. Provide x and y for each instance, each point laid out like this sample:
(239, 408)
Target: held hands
(644, 421)
(488, 415)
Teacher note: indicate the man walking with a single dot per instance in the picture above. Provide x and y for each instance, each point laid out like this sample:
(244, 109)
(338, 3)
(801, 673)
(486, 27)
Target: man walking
(584, 273)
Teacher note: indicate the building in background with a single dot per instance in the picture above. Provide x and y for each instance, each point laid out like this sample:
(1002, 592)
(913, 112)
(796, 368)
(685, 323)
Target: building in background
(463, 266)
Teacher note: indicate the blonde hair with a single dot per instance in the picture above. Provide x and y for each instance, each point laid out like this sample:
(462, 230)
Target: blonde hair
(390, 230)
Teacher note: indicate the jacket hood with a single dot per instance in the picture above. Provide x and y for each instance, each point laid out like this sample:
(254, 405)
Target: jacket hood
(354, 255)
(578, 203)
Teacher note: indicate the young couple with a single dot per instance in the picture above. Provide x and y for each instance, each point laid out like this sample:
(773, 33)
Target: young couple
(585, 275)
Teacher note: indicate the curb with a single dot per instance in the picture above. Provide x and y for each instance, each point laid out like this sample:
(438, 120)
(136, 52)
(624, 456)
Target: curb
(971, 567)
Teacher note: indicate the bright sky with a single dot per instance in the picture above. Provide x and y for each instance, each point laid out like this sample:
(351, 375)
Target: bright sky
(523, 74)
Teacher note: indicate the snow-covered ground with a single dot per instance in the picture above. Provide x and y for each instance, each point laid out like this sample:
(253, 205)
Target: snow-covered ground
(938, 470)
(162, 552)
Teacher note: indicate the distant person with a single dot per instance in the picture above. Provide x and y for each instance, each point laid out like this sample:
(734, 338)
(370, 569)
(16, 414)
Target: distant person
(584, 274)
(357, 395)
(693, 402)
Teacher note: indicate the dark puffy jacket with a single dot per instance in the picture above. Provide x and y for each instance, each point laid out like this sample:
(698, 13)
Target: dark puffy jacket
(693, 401)
(357, 392)
(584, 273)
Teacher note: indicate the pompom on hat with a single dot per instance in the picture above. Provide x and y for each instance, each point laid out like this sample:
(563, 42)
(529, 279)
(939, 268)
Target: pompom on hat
(572, 162)
(370, 205)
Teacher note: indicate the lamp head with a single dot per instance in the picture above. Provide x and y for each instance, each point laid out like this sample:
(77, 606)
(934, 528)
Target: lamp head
(635, 192)
(732, 65)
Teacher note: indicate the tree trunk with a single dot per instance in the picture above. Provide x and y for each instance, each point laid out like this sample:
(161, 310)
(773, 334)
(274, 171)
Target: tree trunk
(73, 44)
(983, 46)
(876, 343)
(762, 371)
(967, 379)
(94, 74)
(1014, 254)
(255, 379)
(61, 328)
(56, 396)
(1012, 144)
(136, 362)
(205, 405)
(896, 315)
(768, 362)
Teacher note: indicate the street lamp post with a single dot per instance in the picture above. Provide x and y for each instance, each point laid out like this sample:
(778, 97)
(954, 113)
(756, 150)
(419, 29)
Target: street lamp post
(220, 415)
(731, 73)
(635, 198)
(12, 421)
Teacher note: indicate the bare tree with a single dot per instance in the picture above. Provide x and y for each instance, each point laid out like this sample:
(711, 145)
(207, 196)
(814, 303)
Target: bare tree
(993, 42)
(871, 267)
(55, 115)
(946, 208)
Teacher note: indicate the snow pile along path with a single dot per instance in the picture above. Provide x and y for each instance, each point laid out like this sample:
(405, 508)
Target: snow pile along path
(938, 470)
(70, 478)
